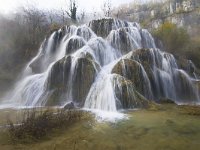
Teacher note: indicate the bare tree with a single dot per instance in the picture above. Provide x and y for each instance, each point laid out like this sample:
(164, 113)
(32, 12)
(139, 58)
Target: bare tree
(82, 15)
(62, 14)
(72, 12)
(36, 21)
(107, 8)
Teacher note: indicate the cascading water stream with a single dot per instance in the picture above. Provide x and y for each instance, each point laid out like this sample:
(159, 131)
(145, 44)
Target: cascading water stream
(106, 65)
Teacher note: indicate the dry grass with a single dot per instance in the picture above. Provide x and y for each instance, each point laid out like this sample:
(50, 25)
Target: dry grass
(190, 110)
(36, 125)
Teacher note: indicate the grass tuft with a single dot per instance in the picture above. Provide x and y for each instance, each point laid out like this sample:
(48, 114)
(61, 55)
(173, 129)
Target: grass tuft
(37, 124)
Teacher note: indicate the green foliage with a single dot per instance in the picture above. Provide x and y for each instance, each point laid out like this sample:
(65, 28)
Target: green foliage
(174, 39)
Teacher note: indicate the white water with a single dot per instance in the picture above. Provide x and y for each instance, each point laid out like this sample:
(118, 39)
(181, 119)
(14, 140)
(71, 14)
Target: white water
(122, 41)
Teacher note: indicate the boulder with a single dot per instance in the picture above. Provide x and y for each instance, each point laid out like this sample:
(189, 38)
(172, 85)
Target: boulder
(149, 59)
(69, 105)
(74, 44)
(166, 101)
(120, 39)
(102, 27)
(83, 77)
(145, 56)
(73, 76)
(186, 65)
(85, 32)
(134, 72)
(185, 89)
(59, 74)
(127, 95)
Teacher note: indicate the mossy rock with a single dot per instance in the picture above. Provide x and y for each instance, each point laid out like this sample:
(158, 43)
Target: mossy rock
(85, 32)
(134, 72)
(186, 65)
(102, 27)
(124, 42)
(59, 74)
(74, 44)
(127, 95)
(166, 101)
(84, 75)
(61, 80)
(146, 58)
(187, 92)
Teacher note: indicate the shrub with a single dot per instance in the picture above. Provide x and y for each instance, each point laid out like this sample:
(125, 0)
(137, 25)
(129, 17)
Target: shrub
(174, 39)
(36, 125)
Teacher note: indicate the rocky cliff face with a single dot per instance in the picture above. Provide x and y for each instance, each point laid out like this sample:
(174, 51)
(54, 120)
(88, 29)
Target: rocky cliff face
(181, 12)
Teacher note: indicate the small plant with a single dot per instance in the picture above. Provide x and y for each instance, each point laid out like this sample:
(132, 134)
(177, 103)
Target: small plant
(36, 124)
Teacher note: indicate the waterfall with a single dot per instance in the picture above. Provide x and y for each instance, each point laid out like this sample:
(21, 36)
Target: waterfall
(107, 64)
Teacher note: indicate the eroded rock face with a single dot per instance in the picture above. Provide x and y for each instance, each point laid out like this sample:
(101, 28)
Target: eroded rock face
(71, 78)
(102, 27)
(127, 95)
(146, 57)
(121, 40)
(187, 65)
(69, 106)
(59, 74)
(134, 72)
(184, 88)
(83, 77)
(57, 80)
(74, 44)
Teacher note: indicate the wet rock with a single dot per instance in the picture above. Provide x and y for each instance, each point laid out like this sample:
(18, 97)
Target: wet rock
(59, 74)
(102, 27)
(127, 95)
(197, 84)
(120, 39)
(84, 75)
(74, 44)
(69, 105)
(57, 81)
(187, 65)
(85, 32)
(166, 101)
(36, 64)
(134, 72)
(185, 89)
(147, 57)
(63, 80)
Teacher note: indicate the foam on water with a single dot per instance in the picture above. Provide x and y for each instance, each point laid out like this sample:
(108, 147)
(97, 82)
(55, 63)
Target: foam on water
(108, 116)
